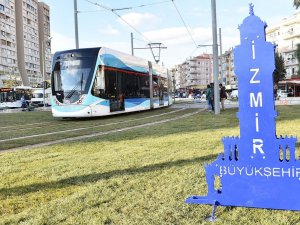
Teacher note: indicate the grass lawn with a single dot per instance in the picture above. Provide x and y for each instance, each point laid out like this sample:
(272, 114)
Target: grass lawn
(40, 127)
(141, 176)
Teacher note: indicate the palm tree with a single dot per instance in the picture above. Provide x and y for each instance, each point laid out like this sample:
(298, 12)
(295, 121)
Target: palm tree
(296, 4)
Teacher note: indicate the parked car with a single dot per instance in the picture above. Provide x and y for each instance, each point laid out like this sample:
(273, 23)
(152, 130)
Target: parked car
(282, 94)
(234, 94)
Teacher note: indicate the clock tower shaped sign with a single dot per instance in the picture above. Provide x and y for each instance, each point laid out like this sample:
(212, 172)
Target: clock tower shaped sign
(257, 169)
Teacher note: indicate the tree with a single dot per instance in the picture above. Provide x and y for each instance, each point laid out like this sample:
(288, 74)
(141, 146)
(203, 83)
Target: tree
(279, 72)
(296, 4)
(10, 83)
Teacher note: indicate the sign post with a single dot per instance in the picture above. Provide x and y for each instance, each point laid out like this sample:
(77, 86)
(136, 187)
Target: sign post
(257, 169)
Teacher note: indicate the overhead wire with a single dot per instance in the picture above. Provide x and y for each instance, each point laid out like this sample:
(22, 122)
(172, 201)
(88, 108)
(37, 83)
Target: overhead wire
(143, 5)
(138, 39)
(186, 27)
(191, 54)
(91, 11)
(114, 12)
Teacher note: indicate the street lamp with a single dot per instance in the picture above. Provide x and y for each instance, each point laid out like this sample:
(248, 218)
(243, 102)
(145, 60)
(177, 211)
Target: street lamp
(44, 65)
(215, 57)
(174, 83)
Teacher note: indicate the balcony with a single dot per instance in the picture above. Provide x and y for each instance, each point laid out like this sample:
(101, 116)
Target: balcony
(291, 34)
(291, 62)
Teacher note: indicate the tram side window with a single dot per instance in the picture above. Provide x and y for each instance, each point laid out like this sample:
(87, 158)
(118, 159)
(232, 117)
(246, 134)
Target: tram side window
(99, 84)
(155, 87)
(9, 96)
(110, 84)
(135, 86)
(165, 86)
(145, 87)
(115, 83)
(131, 86)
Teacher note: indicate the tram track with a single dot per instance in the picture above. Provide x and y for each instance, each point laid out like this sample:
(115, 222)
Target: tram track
(19, 139)
(96, 134)
(88, 127)
(15, 127)
(31, 127)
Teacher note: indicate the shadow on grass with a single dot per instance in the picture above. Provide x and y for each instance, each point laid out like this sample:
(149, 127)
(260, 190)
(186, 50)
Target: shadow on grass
(91, 178)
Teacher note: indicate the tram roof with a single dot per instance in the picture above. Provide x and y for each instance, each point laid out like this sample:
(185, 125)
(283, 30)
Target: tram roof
(114, 58)
(122, 60)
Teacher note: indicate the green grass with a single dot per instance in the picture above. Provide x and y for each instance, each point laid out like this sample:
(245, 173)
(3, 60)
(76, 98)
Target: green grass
(141, 176)
(37, 123)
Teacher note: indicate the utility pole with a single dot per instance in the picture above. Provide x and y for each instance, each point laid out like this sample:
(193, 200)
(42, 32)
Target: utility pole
(76, 23)
(221, 61)
(44, 43)
(132, 49)
(215, 58)
(43, 71)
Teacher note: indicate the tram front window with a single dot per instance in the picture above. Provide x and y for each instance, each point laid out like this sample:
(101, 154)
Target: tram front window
(71, 79)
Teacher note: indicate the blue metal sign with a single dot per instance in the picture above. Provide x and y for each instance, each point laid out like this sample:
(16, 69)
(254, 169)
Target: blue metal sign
(258, 169)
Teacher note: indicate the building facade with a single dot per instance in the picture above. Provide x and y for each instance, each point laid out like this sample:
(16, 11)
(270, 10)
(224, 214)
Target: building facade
(286, 35)
(8, 43)
(194, 73)
(227, 69)
(25, 47)
(200, 72)
(179, 77)
(44, 39)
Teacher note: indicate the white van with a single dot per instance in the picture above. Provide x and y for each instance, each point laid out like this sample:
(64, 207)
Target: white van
(37, 97)
(234, 94)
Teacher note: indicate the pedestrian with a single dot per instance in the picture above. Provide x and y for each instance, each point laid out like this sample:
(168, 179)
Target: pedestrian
(223, 96)
(212, 99)
(208, 97)
(23, 103)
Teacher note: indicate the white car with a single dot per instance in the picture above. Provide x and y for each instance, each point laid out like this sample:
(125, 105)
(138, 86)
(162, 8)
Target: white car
(282, 94)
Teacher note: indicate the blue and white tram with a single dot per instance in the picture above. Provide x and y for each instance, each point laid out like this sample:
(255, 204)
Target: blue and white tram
(100, 81)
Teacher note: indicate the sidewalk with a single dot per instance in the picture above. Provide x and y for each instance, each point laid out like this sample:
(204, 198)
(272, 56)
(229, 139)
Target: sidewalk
(197, 103)
(15, 110)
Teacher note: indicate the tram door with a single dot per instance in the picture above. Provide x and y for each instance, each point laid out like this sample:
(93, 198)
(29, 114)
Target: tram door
(115, 94)
(161, 92)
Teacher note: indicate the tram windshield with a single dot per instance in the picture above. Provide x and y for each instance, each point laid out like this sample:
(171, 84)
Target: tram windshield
(72, 78)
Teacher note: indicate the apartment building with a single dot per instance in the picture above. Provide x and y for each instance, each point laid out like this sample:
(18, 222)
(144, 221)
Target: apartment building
(178, 72)
(8, 43)
(200, 71)
(227, 70)
(25, 42)
(44, 39)
(286, 35)
(194, 73)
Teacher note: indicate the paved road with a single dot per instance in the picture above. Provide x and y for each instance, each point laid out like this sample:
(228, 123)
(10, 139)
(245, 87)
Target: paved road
(191, 103)
(187, 103)
(5, 110)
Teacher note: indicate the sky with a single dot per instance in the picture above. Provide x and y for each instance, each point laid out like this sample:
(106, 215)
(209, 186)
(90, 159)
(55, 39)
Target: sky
(180, 25)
